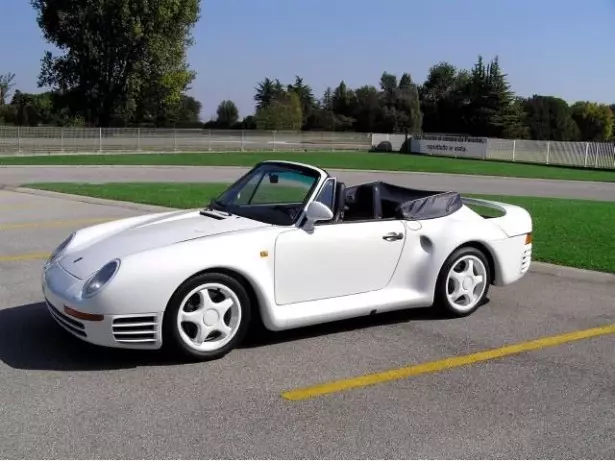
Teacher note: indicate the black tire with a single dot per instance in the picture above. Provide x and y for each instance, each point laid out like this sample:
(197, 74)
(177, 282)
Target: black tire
(441, 300)
(172, 337)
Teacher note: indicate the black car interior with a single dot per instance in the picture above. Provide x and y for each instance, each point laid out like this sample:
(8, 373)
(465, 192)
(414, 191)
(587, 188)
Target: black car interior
(358, 203)
(379, 200)
(361, 203)
(364, 202)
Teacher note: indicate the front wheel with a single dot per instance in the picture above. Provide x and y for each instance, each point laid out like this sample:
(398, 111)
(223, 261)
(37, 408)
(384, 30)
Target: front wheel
(463, 282)
(207, 317)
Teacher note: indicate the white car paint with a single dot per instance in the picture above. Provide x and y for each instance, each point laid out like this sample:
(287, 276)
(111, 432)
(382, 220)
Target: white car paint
(335, 260)
(301, 274)
(157, 231)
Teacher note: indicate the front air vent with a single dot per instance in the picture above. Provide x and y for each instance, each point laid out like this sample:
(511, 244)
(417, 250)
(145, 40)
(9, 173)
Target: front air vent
(67, 322)
(135, 329)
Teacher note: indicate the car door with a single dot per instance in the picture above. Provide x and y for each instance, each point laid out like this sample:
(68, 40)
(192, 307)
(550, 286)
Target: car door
(336, 260)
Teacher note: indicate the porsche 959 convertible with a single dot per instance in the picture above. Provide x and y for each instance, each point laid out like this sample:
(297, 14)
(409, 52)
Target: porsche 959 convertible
(285, 246)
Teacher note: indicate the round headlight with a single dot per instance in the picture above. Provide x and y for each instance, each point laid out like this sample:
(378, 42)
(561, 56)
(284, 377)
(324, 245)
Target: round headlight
(101, 278)
(60, 249)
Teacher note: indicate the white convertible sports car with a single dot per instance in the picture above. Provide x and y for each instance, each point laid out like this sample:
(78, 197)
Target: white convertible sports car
(286, 245)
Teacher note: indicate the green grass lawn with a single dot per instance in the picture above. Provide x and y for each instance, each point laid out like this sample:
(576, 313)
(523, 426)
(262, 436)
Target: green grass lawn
(577, 233)
(351, 160)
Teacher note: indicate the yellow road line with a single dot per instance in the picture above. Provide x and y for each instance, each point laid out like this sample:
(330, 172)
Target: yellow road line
(45, 224)
(445, 364)
(24, 257)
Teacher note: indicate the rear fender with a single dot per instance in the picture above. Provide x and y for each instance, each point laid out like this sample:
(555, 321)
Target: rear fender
(515, 220)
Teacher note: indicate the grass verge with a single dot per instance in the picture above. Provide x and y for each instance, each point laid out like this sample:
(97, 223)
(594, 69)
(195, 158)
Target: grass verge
(350, 160)
(576, 233)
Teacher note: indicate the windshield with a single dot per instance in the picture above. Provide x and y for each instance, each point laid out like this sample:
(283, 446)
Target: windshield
(270, 192)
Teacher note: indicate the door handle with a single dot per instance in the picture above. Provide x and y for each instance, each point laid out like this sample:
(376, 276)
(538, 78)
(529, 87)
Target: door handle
(393, 236)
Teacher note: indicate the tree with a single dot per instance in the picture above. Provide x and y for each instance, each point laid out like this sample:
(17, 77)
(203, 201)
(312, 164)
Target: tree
(342, 103)
(323, 117)
(8, 114)
(326, 103)
(6, 84)
(595, 121)
(401, 108)
(341, 100)
(282, 113)
(490, 107)
(442, 99)
(267, 91)
(25, 114)
(122, 58)
(306, 96)
(228, 114)
(507, 119)
(190, 110)
(478, 101)
(28, 109)
(549, 118)
(367, 110)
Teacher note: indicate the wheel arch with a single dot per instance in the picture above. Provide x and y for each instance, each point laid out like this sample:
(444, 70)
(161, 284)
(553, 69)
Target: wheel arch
(484, 248)
(470, 244)
(248, 284)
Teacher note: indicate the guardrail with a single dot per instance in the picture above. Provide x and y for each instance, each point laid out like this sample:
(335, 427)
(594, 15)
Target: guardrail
(58, 140)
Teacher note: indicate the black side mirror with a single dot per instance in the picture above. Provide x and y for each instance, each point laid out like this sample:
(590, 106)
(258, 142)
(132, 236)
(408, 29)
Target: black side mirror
(273, 178)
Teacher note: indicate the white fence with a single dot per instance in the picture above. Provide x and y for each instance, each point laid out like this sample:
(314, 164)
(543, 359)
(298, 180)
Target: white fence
(57, 140)
(578, 154)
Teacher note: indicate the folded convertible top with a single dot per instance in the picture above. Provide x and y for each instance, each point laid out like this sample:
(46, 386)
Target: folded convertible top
(406, 203)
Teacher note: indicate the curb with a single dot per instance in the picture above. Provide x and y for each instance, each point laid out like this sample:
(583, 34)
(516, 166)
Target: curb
(535, 267)
(572, 273)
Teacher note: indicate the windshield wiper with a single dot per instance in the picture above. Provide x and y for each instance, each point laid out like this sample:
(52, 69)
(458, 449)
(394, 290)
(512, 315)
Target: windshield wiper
(220, 207)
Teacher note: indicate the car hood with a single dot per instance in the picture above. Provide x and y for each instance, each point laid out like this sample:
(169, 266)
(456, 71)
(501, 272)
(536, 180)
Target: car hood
(152, 233)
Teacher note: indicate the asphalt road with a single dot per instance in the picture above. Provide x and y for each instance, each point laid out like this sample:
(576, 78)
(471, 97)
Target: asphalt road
(61, 398)
(17, 175)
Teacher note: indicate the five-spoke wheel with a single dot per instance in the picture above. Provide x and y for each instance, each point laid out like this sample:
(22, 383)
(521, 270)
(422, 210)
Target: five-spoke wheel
(208, 316)
(463, 282)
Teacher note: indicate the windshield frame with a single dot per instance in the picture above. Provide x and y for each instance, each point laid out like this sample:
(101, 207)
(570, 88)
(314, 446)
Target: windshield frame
(221, 203)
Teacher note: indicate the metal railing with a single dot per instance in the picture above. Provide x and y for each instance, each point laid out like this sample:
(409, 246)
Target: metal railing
(67, 140)
(58, 140)
(577, 154)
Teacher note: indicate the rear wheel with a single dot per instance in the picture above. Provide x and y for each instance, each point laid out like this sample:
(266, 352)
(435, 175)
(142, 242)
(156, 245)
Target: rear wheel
(463, 282)
(207, 317)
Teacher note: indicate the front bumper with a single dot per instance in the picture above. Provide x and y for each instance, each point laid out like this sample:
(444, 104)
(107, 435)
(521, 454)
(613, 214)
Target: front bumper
(130, 331)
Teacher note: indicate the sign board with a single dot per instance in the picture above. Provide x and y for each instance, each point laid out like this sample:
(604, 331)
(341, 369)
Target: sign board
(477, 148)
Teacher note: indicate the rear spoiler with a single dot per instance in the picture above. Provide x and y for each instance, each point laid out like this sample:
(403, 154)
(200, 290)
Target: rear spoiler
(515, 220)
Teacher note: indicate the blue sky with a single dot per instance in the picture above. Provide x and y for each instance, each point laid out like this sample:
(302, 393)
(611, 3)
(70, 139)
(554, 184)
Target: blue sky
(556, 47)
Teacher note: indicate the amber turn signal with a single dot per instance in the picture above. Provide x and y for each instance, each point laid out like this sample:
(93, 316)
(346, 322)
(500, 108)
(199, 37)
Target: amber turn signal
(528, 238)
(83, 315)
